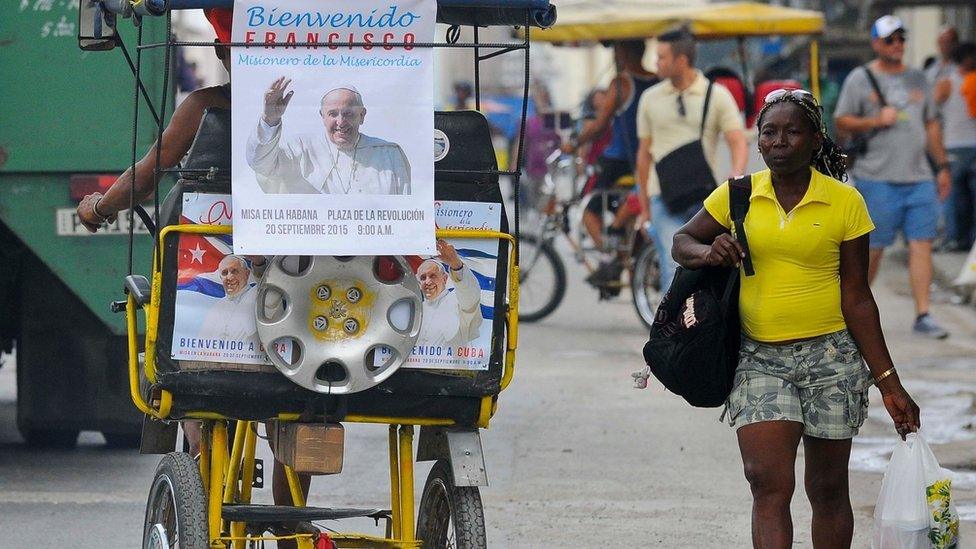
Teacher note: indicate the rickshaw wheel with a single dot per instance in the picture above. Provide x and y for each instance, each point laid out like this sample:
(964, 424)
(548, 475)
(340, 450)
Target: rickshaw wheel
(542, 279)
(645, 284)
(176, 512)
(450, 516)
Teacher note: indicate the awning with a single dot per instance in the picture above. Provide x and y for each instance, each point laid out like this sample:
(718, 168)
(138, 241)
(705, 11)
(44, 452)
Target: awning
(622, 19)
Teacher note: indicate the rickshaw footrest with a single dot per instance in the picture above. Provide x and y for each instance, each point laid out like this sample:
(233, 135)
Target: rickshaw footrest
(286, 513)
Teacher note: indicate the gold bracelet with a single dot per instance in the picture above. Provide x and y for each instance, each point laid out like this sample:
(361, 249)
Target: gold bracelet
(882, 377)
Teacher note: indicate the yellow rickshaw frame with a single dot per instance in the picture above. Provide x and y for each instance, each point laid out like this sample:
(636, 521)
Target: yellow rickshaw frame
(228, 477)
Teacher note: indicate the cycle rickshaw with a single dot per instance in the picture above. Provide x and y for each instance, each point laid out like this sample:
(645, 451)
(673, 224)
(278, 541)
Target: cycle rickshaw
(606, 22)
(207, 502)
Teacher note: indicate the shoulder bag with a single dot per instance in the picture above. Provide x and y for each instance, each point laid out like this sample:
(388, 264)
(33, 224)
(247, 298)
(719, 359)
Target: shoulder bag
(684, 175)
(693, 348)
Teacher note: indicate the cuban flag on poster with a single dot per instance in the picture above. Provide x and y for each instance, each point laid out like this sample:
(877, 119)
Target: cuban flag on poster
(458, 306)
(215, 291)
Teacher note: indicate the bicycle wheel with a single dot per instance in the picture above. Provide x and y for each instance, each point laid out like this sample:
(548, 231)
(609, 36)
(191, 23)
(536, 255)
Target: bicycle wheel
(542, 279)
(645, 283)
(450, 516)
(176, 513)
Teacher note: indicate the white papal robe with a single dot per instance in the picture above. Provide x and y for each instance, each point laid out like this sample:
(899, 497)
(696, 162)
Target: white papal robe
(454, 317)
(309, 164)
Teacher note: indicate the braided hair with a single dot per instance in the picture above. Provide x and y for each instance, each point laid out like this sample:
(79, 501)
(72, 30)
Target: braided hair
(830, 159)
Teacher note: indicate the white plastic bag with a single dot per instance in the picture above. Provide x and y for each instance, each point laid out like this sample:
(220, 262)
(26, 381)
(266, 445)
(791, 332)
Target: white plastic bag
(967, 276)
(915, 508)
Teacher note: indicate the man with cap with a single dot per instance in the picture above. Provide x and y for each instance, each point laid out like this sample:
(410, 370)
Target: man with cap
(900, 124)
(339, 160)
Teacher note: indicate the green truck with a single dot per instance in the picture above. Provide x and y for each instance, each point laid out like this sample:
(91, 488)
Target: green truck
(66, 129)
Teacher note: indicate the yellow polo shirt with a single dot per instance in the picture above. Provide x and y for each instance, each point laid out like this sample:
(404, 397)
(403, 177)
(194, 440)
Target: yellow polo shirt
(795, 292)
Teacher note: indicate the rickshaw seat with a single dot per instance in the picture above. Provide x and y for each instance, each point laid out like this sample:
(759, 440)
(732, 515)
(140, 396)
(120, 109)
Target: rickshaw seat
(211, 145)
(467, 172)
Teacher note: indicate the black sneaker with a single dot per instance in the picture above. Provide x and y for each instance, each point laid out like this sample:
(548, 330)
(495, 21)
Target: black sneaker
(926, 326)
(606, 274)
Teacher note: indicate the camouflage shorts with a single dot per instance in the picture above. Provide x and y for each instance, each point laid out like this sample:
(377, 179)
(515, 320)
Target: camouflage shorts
(822, 383)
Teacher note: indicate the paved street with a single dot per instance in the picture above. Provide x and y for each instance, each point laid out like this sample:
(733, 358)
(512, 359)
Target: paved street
(576, 457)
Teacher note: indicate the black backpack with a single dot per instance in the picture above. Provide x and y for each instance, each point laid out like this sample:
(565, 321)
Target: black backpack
(694, 345)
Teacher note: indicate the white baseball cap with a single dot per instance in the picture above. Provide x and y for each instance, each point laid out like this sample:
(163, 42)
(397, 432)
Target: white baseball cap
(886, 25)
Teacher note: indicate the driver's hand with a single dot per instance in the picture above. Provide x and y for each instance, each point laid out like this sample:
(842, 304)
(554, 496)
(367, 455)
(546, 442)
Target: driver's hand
(276, 101)
(725, 251)
(87, 215)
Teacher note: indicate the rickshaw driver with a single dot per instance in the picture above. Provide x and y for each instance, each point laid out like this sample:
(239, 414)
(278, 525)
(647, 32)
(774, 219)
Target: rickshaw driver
(96, 209)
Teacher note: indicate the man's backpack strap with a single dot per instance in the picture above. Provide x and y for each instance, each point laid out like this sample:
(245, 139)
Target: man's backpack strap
(740, 189)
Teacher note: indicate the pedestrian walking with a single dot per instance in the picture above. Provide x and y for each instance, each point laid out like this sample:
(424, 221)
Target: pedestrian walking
(959, 132)
(808, 316)
(946, 42)
(891, 106)
(679, 122)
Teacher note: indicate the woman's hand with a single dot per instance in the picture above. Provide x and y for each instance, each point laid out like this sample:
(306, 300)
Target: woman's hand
(725, 251)
(902, 409)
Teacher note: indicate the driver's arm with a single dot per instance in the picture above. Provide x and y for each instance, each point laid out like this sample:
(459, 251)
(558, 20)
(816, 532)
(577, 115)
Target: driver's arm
(176, 141)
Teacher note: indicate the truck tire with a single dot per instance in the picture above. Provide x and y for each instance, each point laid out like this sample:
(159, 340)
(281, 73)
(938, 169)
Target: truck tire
(50, 438)
(450, 516)
(122, 441)
(177, 505)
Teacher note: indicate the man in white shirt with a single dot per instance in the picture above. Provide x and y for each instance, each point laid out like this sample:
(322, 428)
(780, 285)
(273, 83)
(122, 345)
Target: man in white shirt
(671, 117)
(341, 160)
(451, 316)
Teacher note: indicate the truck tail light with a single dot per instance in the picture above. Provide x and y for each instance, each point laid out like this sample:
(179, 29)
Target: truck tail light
(81, 185)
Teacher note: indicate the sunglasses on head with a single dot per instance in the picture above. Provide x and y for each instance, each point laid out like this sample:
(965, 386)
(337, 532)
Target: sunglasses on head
(799, 95)
(900, 38)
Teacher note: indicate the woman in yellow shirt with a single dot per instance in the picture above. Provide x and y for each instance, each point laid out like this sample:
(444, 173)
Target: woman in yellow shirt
(807, 315)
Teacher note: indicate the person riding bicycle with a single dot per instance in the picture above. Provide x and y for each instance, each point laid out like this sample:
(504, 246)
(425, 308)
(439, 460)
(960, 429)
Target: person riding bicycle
(619, 114)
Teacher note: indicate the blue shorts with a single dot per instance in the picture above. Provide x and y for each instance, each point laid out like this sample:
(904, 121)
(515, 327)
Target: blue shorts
(912, 208)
